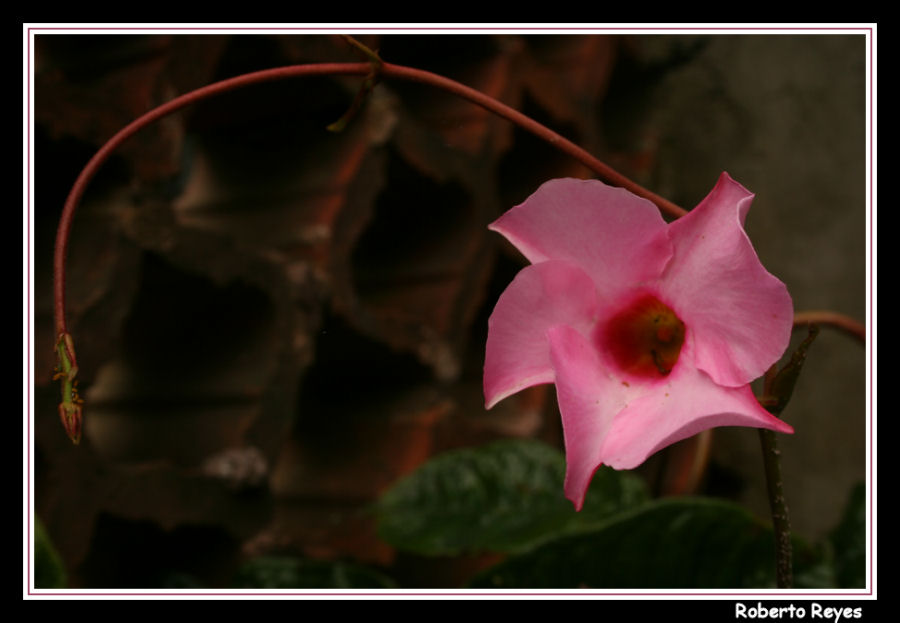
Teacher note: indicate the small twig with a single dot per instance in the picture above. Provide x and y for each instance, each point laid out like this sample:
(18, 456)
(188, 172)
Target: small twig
(366, 50)
(367, 86)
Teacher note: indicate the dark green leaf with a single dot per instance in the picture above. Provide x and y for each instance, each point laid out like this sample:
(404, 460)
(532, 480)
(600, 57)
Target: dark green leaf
(503, 497)
(48, 567)
(849, 542)
(671, 543)
(286, 572)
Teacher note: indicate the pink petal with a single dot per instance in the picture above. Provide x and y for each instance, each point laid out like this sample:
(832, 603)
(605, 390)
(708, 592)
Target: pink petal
(618, 238)
(589, 399)
(740, 315)
(541, 296)
(688, 402)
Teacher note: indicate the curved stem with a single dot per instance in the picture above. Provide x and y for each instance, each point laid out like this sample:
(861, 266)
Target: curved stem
(846, 324)
(603, 170)
(94, 164)
(386, 70)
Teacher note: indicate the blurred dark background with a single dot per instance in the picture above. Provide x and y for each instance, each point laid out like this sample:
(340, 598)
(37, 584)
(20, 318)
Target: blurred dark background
(274, 322)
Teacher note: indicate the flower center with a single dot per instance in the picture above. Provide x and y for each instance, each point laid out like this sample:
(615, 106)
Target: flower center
(645, 338)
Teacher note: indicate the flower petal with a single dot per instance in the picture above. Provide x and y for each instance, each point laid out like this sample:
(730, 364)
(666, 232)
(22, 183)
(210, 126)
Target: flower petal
(541, 296)
(687, 403)
(618, 238)
(589, 399)
(740, 314)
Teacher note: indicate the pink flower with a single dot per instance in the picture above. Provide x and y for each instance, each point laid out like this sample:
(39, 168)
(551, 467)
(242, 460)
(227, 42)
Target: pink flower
(651, 332)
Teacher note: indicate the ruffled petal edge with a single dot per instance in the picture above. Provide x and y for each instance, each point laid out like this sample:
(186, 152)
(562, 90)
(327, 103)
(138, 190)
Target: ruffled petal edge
(740, 314)
(517, 353)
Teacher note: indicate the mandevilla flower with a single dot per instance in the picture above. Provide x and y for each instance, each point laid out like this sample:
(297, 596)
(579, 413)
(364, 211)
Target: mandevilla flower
(651, 332)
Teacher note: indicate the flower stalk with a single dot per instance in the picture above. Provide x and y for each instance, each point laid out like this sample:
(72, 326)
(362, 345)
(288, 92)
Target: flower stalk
(777, 390)
(373, 71)
(781, 522)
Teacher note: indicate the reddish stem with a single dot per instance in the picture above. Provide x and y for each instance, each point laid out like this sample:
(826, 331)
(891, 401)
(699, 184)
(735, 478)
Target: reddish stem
(386, 70)
(84, 178)
(833, 319)
(603, 170)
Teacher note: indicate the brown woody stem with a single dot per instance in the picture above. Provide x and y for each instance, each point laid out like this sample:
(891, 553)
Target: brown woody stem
(781, 522)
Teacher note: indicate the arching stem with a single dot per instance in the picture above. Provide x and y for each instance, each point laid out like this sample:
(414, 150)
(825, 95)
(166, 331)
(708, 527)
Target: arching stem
(384, 71)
